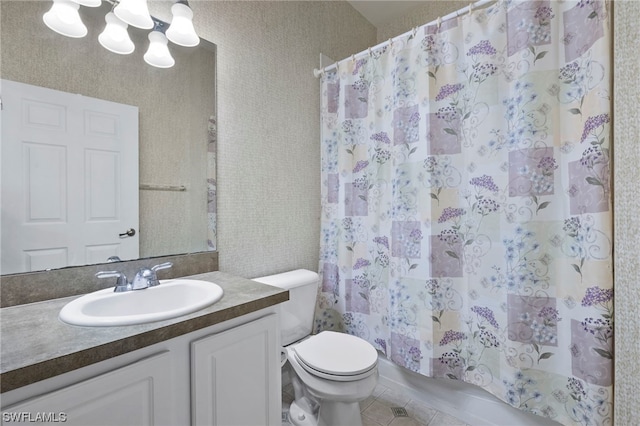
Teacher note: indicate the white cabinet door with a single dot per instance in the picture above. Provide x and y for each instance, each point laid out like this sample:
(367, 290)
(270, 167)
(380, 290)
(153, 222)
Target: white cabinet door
(235, 376)
(138, 394)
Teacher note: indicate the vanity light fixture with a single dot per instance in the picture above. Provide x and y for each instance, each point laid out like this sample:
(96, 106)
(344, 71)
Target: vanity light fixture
(63, 18)
(135, 13)
(158, 54)
(181, 30)
(115, 37)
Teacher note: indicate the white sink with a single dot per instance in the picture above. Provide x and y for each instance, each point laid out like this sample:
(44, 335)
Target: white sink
(170, 299)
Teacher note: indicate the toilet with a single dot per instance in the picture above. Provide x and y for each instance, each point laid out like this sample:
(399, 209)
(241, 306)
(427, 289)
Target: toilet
(330, 372)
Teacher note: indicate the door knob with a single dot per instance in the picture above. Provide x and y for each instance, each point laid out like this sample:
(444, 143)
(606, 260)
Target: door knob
(129, 233)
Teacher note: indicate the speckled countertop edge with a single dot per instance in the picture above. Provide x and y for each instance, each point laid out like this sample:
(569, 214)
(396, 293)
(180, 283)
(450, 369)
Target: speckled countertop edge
(37, 345)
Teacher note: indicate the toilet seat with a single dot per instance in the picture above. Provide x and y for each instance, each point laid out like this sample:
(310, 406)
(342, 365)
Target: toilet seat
(336, 356)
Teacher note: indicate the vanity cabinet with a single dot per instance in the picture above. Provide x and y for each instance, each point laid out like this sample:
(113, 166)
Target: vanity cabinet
(235, 376)
(225, 374)
(129, 395)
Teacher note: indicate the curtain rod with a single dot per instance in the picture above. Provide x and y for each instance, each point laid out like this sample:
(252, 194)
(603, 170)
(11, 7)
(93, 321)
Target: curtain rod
(318, 72)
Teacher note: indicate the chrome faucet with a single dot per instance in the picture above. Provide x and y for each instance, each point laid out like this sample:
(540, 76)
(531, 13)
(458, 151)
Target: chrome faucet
(144, 278)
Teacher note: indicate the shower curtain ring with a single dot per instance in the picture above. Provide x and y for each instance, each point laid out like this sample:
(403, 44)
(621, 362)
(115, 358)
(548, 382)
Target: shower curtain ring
(369, 50)
(439, 22)
(470, 8)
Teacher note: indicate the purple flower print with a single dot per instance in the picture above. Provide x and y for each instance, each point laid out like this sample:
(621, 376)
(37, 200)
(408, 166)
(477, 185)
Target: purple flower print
(361, 263)
(592, 124)
(381, 137)
(451, 213)
(569, 71)
(485, 182)
(597, 296)
(451, 359)
(359, 64)
(488, 339)
(544, 14)
(416, 235)
(482, 71)
(485, 313)
(452, 336)
(448, 90)
(592, 156)
(482, 48)
(486, 206)
(576, 388)
(428, 43)
(449, 236)
(360, 85)
(572, 226)
(447, 114)
(384, 241)
(382, 155)
(547, 165)
(360, 165)
(585, 3)
(382, 344)
(600, 328)
(550, 314)
(415, 354)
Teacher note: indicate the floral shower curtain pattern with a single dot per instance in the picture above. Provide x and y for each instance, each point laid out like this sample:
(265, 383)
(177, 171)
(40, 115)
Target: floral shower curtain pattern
(466, 204)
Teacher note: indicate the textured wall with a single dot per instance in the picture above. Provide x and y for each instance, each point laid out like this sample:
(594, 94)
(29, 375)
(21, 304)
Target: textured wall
(174, 108)
(626, 151)
(268, 128)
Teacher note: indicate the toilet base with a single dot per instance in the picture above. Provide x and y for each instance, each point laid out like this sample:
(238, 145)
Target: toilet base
(334, 413)
(300, 417)
(330, 414)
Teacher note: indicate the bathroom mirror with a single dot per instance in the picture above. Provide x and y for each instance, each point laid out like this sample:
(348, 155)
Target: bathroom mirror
(177, 110)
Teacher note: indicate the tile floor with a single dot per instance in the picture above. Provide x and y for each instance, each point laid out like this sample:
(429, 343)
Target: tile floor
(381, 409)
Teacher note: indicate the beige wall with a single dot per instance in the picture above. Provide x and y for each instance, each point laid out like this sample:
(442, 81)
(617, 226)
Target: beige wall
(626, 148)
(626, 176)
(269, 130)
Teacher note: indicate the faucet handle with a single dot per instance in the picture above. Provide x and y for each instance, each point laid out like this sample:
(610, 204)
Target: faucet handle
(165, 265)
(156, 268)
(121, 282)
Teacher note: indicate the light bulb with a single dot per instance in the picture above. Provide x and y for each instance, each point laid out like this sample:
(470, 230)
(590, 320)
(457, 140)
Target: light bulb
(134, 12)
(181, 30)
(158, 54)
(64, 19)
(115, 37)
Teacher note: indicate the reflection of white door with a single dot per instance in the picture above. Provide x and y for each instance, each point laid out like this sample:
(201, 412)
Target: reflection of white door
(69, 179)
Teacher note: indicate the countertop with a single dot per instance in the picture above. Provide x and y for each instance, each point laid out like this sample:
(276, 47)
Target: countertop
(37, 345)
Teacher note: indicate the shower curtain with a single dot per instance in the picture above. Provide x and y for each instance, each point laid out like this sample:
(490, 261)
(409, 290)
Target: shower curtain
(466, 204)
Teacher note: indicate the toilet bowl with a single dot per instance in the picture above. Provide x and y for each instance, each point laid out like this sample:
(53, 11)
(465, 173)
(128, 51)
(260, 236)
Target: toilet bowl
(334, 371)
(331, 372)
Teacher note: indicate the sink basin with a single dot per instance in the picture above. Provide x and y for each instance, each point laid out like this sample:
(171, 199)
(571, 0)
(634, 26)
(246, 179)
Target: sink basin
(170, 299)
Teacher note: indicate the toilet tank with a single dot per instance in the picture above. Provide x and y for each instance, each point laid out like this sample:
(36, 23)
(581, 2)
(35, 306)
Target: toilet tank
(296, 314)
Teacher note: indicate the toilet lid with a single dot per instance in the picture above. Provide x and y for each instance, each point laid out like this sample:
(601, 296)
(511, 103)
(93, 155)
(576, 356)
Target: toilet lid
(337, 354)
